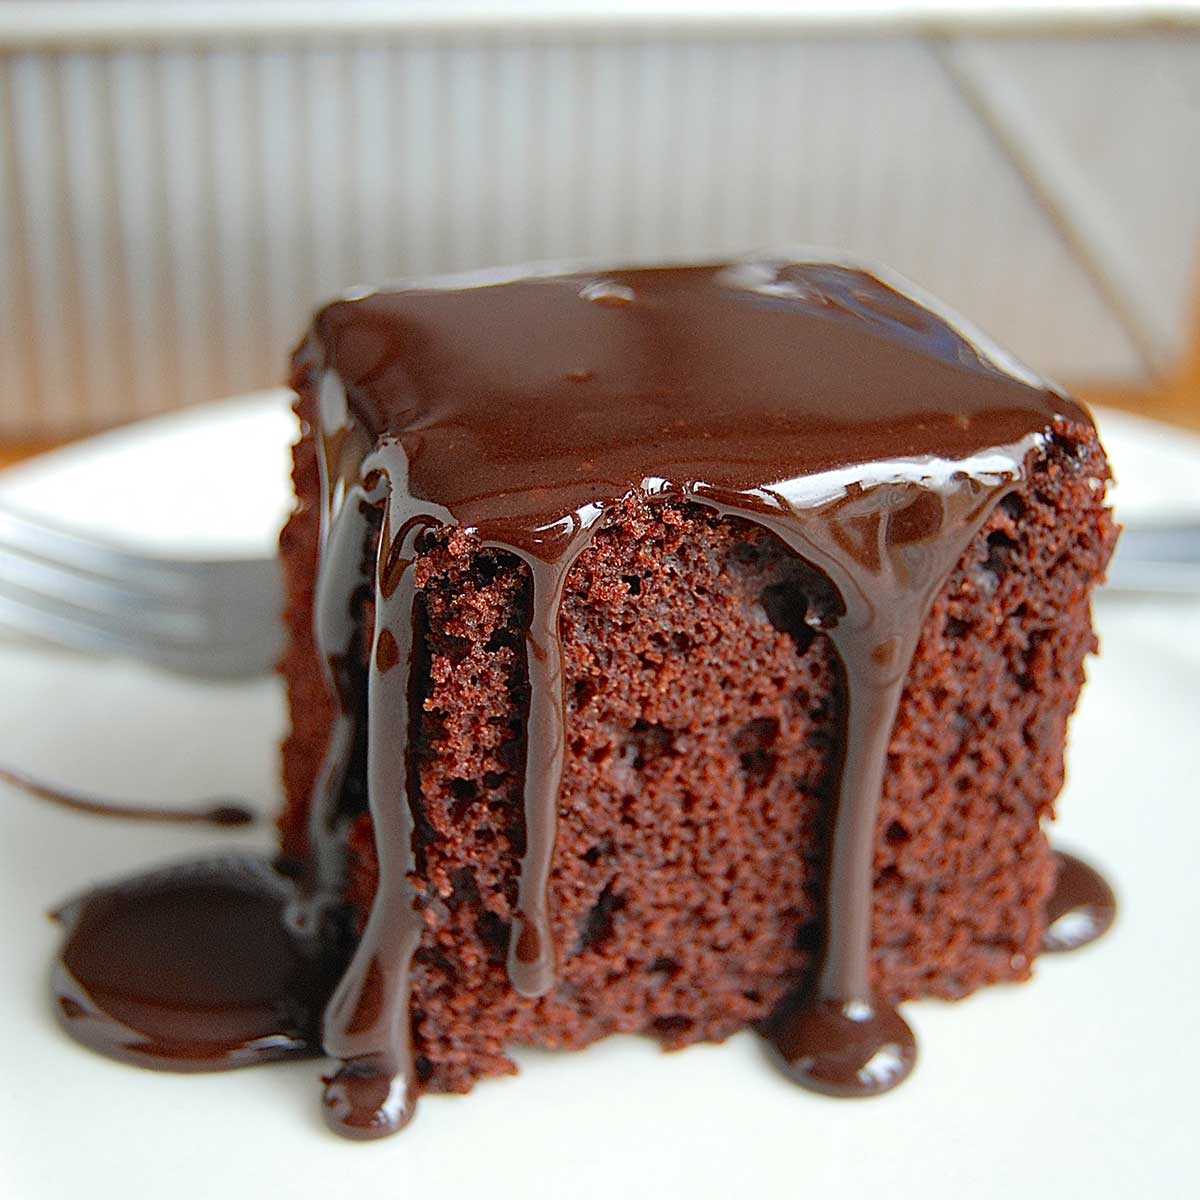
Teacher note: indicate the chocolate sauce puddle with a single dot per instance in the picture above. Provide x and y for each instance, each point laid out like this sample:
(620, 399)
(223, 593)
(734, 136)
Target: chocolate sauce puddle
(215, 812)
(872, 435)
(192, 968)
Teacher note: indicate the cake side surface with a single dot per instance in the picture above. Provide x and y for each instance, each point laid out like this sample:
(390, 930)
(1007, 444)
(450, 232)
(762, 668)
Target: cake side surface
(310, 706)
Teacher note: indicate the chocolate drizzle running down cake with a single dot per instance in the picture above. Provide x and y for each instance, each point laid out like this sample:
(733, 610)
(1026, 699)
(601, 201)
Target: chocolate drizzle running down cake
(833, 474)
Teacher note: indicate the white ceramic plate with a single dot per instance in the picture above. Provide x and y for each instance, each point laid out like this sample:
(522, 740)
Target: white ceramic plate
(1080, 1083)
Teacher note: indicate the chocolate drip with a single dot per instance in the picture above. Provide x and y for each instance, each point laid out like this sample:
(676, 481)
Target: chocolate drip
(849, 1049)
(887, 550)
(212, 812)
(531, 947)
(1081, 908)
(367, 1023)
(338, 633)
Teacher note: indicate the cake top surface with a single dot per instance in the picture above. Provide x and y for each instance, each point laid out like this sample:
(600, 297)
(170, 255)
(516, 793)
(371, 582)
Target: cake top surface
(534, 396)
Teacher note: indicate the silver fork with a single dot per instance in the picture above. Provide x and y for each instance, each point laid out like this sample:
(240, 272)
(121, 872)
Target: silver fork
(1157, 558)
(212, 618)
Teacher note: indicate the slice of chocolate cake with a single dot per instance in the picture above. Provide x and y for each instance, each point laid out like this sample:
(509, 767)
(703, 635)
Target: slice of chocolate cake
(670, 651)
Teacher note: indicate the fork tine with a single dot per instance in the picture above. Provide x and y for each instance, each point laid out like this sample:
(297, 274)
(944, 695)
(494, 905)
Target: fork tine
(135, 624)
(47, 577)
(36, 538)
(204, 617)
(47, 625)
(83, 630)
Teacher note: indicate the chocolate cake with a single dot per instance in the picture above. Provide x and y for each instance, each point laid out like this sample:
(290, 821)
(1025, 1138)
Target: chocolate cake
(670, 651)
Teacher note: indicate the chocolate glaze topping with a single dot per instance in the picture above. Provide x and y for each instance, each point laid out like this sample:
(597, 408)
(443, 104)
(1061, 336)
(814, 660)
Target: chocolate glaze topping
(869, 431)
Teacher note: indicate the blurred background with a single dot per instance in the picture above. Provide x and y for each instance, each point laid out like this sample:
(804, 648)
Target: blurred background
(181, 182)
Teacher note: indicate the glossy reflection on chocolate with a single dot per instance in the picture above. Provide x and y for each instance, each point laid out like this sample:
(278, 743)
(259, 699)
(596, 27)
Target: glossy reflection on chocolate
(368, 1097)
(191, 968)
(849, 1050)
(1081, 908)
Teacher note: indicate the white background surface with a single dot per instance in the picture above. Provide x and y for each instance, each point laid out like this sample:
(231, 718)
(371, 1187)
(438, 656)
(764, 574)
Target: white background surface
(1081, 1083)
